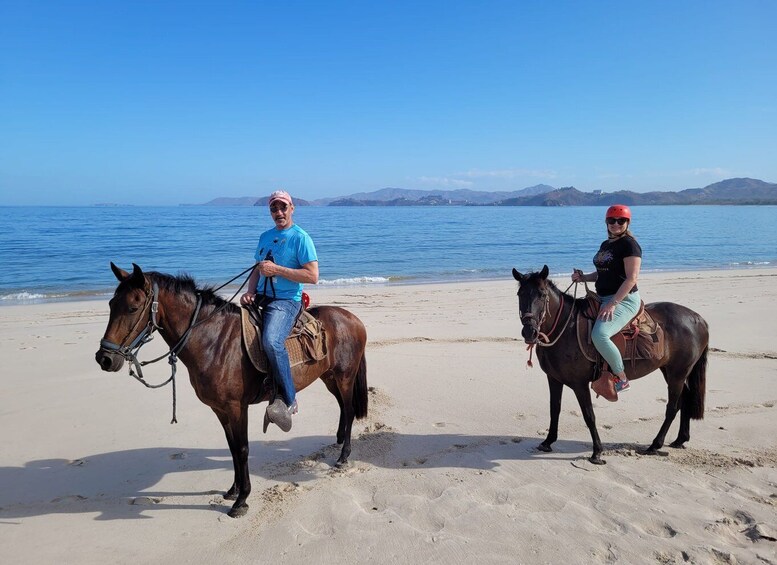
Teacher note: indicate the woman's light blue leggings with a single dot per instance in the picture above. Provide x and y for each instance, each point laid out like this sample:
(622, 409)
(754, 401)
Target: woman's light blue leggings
(603, 331)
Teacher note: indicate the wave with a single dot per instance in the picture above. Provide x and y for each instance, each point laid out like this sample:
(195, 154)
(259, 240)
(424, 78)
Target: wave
(24, 296)
(355, 281)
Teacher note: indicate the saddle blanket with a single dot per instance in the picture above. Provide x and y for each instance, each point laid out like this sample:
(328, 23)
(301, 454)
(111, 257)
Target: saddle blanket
(306, 342)
(641, 338)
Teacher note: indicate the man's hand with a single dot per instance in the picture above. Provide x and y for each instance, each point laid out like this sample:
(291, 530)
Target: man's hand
(269, 268)
(247, 299)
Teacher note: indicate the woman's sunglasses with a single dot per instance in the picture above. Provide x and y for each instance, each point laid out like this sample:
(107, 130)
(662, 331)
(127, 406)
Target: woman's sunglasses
(619, 221)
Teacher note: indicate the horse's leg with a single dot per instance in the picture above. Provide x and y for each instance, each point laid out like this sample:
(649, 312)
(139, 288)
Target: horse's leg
(231, 494)
(692, 399)
(685, 424)
(347, 414)
(583, 394)
(235, 423)
(556, 389)
(331, 385)
(675, 391)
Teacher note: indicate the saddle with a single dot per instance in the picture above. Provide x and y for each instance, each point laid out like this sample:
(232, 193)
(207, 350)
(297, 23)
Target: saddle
(641, 338)
(306, 343)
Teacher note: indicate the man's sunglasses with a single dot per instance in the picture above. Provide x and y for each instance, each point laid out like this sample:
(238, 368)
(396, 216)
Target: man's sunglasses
(275, 207)
(619, 221)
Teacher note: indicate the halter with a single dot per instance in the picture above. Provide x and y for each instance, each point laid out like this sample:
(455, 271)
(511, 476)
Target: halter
(130, 352)
(541, 336)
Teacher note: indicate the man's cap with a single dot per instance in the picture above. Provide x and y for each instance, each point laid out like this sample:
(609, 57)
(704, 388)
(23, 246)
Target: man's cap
(281, 195)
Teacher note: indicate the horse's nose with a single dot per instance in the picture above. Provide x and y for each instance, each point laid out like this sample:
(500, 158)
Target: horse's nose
(529, 333)
(107, 362)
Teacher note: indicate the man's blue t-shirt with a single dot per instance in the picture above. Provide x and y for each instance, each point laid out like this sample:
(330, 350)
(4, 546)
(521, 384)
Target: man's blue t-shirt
(290, 248)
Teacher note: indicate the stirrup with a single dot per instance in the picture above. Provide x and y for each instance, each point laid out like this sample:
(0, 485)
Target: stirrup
(605, 386)
(266, 422)
(278, 413)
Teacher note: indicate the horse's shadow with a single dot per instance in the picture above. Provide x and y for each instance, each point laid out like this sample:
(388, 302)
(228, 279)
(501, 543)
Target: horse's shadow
(123, 484)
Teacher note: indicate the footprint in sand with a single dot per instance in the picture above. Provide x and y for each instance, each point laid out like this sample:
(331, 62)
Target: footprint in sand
(662, 531)
(69, 498)
(145, 500)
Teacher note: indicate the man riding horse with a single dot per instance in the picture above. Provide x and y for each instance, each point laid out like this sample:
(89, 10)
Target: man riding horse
(286, 258)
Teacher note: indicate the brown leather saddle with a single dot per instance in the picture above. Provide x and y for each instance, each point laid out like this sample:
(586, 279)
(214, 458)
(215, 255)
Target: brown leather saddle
(641, 338)
(306, 343)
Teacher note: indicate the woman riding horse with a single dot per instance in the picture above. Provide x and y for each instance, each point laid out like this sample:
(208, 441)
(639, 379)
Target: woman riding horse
(617, 269)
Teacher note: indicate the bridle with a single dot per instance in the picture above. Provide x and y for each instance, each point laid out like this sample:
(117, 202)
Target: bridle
(129, 352)
(544, 339)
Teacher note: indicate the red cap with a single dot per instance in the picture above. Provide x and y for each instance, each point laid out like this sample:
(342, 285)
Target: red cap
(281, 195)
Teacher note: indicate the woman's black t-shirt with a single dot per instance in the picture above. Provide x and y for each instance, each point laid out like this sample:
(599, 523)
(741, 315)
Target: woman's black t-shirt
(611, 272)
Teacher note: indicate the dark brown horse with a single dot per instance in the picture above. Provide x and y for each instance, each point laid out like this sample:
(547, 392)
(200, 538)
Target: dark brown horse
(205, 332)
(542, 305)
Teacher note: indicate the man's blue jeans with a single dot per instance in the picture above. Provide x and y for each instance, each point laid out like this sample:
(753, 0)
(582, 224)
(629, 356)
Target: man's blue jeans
(603, 331)
(278, 318)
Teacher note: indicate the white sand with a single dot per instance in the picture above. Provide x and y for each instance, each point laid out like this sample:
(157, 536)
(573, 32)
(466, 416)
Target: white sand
(444, 470)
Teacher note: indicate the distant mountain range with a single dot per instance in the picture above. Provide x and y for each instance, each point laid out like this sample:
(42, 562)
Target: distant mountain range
(731, 191)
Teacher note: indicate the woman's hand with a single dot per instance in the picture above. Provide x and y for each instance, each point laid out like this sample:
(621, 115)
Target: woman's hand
(606, 311)
(577, 276)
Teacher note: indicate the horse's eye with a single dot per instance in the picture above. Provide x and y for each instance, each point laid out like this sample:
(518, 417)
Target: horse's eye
(133, 309)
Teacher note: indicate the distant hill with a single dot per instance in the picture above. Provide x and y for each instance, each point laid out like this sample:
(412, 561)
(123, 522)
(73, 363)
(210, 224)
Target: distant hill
(730, 191)
(249, 201)
(409, 197)
(225, 201)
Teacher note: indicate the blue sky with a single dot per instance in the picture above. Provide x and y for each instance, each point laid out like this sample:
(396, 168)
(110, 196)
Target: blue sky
(150, 102)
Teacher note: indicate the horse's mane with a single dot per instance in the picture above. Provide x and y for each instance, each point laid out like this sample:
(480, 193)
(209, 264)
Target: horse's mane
(184, 284)
(580, 303)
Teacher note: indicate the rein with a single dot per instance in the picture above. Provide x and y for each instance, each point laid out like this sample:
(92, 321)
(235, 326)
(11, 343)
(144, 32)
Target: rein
(546, 337)
(130, 352)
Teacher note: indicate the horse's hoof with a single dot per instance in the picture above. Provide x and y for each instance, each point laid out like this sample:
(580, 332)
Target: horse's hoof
(596, 460)
(232, 492)
(545, 448)
(677, 445)
(653, 451)
(341, 463)
(238, 512)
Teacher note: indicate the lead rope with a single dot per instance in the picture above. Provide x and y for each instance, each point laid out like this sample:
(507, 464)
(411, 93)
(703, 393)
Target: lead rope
(530, 347)
(172, 354)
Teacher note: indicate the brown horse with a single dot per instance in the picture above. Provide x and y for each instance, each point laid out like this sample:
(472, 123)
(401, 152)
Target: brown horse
(205, 332)
(684, 364)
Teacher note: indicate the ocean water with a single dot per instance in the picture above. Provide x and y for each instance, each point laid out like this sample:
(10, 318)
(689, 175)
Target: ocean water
(64, 253)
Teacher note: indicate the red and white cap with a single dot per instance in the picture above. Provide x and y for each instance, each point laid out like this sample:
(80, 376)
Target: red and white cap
(281, 195)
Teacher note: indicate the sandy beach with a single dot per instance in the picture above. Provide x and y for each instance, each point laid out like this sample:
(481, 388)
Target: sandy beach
(444, 469)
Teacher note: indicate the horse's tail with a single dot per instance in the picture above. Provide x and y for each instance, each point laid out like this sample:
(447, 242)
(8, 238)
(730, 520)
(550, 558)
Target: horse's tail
(360, 399)
(693, 399)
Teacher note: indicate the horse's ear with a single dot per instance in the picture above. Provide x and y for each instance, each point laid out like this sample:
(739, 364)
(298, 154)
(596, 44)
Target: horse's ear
(120, 274)
(516, 275)
(544, 272)
(137, 279)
